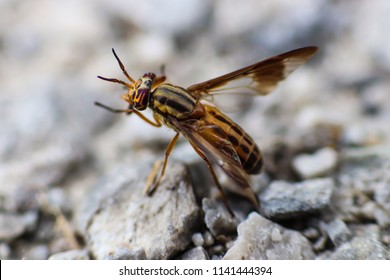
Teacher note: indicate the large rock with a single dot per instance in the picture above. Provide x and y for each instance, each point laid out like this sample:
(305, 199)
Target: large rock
(160, 225)
(261, 239)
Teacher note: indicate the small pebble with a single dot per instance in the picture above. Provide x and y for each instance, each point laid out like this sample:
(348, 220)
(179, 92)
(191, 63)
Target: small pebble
(197, 239)
(311, 233)
(208, 238)
(318, 164)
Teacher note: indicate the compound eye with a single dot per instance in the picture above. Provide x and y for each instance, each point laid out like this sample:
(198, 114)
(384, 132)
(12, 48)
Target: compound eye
(148, 83)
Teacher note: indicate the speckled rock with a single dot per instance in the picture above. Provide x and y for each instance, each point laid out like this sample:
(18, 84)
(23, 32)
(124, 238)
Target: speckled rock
(160, 225)
(259, 238)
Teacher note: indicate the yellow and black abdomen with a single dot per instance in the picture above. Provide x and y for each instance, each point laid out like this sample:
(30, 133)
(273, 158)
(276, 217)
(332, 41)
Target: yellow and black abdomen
(172, 101)
(247, 150)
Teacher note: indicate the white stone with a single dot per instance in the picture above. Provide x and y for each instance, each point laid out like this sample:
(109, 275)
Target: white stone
(317, 164)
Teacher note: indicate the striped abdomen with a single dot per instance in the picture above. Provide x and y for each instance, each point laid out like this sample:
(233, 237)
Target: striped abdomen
(246, 148)
(172, 101)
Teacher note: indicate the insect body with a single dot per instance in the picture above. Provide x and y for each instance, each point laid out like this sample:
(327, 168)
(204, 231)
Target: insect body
(191, 112)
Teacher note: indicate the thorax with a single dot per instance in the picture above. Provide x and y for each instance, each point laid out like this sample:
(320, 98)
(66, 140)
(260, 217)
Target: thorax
(173, 101)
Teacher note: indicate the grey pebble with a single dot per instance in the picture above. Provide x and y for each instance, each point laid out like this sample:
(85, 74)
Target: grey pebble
(208, 238)
(261, 239)
(161, 224)
(71, 255)
(311, 233)
(318, 164)
(197, 239)
(218, 219)
(283, 200)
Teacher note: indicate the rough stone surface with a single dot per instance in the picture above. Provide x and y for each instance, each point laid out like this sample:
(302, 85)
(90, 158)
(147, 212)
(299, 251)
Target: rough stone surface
(318, 164)
(259, 238)
(285, 200)
(171, 214)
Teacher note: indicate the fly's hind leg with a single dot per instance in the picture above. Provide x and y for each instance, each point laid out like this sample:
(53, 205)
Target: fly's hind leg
(223, 195)
(153, 181)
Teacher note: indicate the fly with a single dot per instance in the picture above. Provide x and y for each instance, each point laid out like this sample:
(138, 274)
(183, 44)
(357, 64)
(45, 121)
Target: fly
(217, 139)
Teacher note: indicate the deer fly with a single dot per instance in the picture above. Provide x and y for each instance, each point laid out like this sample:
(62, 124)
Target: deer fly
(191, 112)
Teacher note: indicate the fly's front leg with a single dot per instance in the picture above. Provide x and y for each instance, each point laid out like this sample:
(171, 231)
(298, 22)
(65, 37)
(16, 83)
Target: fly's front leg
(155, 123)
(152, 184)
(129, 111)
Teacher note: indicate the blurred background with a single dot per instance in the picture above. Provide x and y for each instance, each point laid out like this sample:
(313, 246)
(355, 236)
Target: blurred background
(55, 142)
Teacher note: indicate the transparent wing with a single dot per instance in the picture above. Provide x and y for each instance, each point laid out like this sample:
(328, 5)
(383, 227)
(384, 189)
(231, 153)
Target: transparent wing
(210, 140)
(256, 79)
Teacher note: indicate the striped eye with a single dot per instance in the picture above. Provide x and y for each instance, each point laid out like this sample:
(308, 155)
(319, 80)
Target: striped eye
(141, 98)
